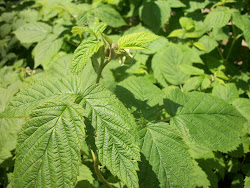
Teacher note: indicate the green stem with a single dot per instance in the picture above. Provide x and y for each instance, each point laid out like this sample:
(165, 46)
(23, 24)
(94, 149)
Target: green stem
(235, 38)
(97, 171)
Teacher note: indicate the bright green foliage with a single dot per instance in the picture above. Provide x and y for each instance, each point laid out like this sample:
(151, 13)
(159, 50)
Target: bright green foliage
(136, 40)
(65, 89)
(247, 182)
(115, 132)
(166, 64)
(48, 150)
(109, 15)
(167, 159)
(82, 55)
(95, 29)
(141, 97)
(183, 115)
(45, 50)
(218, 17)
(205, 120)
(33, 32)
(228, 92)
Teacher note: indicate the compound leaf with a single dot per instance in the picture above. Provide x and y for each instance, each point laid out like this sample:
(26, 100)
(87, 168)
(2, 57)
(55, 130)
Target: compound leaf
(167, 159)
(115, 133)
(43, 90)
(205, 119)
(33, 32)
(136, 40)
(227, 92)
(83, 54)
(48, 149)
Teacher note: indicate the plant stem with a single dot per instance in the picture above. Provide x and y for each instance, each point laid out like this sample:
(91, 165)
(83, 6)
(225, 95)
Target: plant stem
(235, 38)
(98, 173)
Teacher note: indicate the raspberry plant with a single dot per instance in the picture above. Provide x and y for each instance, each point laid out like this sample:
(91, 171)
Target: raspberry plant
(124, 98)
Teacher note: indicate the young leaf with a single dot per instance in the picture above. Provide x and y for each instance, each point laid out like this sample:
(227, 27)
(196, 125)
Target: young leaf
(115, 133)
(83, 54)
(95, 29)
(166, 158)
(45, 50)
(48, 150)
(45, 90)
(136, 40)
(205, 119)
(33, 32)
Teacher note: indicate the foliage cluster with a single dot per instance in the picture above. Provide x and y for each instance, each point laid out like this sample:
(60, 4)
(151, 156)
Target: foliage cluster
(124, 93)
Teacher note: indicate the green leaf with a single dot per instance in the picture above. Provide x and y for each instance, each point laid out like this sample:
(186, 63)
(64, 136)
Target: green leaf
(176, 33)
(83, 53)
(175, 3)
(85, 174)
(140, 96)
(166, 159)
(136, 40)
(48, 150)
(33, 32)
(109, 15)
(9, 127)
(95, 29)
(189, 69)
(165, 64)
(155, 14)
(243, 106)
(44, 90)
(115, 133)
(186, 23)
(247, 182)
(218, 17)
(45, 50)
(227, 92)
(206, 120)
(199, 46)
(193, 83)
(208, 44)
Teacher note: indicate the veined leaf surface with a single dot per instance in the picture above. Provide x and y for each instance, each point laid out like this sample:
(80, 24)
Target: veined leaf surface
(168, 158)
(136, 40)
(83, 54)
(33, 32)
(48, 150)
(205, 119)
(115, 133)
(44, 90)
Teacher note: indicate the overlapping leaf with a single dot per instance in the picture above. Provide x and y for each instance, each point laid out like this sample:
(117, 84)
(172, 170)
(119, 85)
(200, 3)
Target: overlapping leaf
(205, 119)
(141, 96)
(60, 88)
(83, 54)
(166, 161)
(48, 150)
(115, 133)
